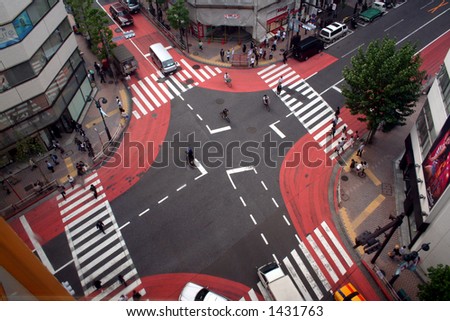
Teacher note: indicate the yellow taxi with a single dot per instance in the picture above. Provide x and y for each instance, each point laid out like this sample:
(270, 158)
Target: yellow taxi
(348, 293)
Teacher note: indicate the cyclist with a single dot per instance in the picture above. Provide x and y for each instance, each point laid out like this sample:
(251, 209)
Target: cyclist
(227, 78)
(190, 156)
(266, 100)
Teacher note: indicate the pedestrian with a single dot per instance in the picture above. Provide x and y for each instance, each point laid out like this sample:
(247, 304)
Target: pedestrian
(100, 226)
(280, 80)
(364, 166)
(402, 250)
(124, 115)
(360, 150)
(256, 58)
(50, 166)
(94, 190)
(98, 284)
(279, 88)
(333, 131)
(252, 45)
(274, 45)
(97, 67)
(261, 53)
(71, 181)
(395, 251)
(285, 57)
(333, 8)
(341, 144)
(62, 190)
(228, 55)
(136, 296)
(283, 35)
(222, 55)
(244, 48)
(122, 280)
(344, 132)
(200, 44)
(102, 77)
(352, 165)
(32, 164)
(351, 141)
(118, 102)
(338, 111)
(271, 54)
(334, 122)
(252, 61)
(278, 35)
(54, 159)
(356, 136)
(123, 297)
(92, 74)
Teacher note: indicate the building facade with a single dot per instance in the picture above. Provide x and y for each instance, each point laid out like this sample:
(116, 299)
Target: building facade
(426, 172)
(43, 82)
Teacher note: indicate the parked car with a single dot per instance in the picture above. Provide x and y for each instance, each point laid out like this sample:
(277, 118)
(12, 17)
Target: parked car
(307, 48)
(133, 5)
(195, 292)
(370, 14)
(348, 293)
(120, 14)
(333, 32)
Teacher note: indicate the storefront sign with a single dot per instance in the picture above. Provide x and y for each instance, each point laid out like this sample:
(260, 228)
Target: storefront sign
(232, 16)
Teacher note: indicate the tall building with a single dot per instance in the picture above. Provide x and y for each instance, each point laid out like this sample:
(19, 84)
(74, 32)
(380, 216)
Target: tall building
(43, 82)
(426, 172)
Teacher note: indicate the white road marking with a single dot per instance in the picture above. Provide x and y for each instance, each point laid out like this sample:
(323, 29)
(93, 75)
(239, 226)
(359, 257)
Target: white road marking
(393, 25)
(264, 239)
(329, 250)
(200, 168)
(314, 265)
(35, 241)
(239, 170)
(190, 107)
(199, 117)
(307, 275)
(218, 130)
(275, 258)
(287, 221)
(264, 185)
(138, 104)
(336, 243)
(144, 212)
(322, 258)
(253, 219)
(337, 89)
(121, 227)
(181, 187)
(275, 202)
(296, 278)
(242, 200)
(276, 130)
(156, 90)
(163, 199)
(136, 114)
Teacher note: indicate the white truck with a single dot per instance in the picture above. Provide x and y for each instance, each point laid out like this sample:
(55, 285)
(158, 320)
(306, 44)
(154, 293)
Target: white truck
(279, 285)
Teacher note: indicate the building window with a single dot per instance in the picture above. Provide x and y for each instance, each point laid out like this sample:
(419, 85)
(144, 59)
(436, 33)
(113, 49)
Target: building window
(425, 126)
(14, 32)
(444, 84)
(29, 69)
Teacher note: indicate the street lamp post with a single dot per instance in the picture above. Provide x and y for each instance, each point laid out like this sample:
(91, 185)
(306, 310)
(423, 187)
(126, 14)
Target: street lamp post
(99, 107)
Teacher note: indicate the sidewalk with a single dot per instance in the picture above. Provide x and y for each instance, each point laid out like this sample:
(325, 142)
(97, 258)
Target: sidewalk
(21, 178)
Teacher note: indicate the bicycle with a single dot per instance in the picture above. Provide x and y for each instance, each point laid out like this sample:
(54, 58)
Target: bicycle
(224, 115)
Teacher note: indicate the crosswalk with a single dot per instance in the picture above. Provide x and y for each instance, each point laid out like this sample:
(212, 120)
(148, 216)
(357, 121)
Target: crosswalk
(305, 104)
(97, 255)
(156, 89)
(315, 266)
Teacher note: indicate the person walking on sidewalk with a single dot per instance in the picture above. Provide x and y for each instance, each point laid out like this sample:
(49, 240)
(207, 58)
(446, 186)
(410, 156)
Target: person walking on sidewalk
(279, 89)
(32, 164)
(118, 102)
(50, 166)
(62, 190)
(100, 226)
(228, 55)
(94, 190)
(360, 149)
(71, 181)
(54, 159)
(102, 77)
(222, 55)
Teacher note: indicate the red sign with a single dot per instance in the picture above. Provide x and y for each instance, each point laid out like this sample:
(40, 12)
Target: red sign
(200, 30)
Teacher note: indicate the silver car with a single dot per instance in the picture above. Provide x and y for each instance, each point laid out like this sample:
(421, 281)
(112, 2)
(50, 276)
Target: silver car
(195, 292)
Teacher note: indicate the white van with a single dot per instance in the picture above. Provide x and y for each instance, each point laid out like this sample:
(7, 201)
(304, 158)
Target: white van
(333, 31)
(163, 59)
(379, 5)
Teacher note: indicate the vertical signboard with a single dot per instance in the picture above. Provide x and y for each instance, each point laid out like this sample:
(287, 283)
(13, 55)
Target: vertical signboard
(436, 166)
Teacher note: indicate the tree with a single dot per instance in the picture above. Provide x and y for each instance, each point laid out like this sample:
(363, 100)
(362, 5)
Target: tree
(178, 16)
(93, 24)
(438, 286)
(383, 84)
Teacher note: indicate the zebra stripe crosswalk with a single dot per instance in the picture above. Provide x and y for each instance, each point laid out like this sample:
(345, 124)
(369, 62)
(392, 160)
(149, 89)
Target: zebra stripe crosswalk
(97, 255)
(311, 110)
(315, 266)
(155, 90)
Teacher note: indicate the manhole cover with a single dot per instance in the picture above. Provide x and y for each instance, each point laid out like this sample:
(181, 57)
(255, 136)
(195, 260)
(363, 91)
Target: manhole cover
(160, 80)
(118, 30)
(251, 130)
(219, 101)
(195, 67)
(386, 189)
(344, 178)
(189, 81)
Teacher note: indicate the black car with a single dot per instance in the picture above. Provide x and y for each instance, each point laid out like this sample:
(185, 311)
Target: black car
(306, 48)
(120, 14)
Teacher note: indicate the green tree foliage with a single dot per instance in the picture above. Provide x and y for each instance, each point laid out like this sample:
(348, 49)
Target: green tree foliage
(93, 24)
(29, 147)
(383, 84)
(178, 15)
(438, 286)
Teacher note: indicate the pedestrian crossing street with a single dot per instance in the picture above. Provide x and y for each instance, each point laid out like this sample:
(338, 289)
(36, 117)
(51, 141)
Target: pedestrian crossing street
(306, 105)
(97, 256)
(156, 89)
(313, 282)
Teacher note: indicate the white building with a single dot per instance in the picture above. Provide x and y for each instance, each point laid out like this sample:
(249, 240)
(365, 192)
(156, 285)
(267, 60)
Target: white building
(43, 82)
(426, 171)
